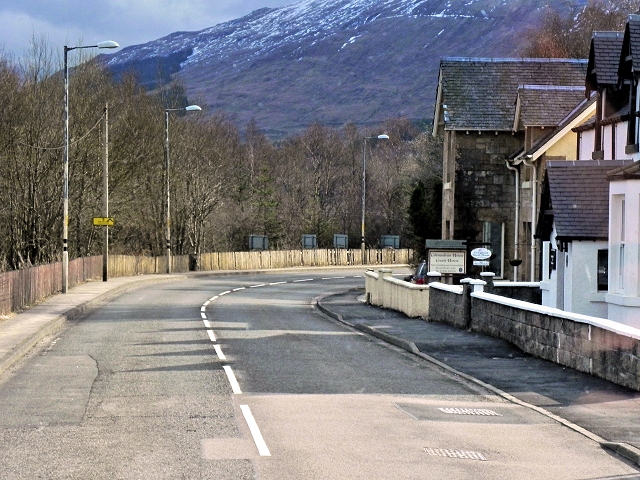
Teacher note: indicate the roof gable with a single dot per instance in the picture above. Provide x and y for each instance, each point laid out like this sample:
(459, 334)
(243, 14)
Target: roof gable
(604, 60)
(585, 110)
(579, 196)
(630, 47)
(545, 105)
(479, 93)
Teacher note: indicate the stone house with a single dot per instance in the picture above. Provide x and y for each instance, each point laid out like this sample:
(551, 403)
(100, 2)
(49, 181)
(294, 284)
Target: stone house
(487, 111)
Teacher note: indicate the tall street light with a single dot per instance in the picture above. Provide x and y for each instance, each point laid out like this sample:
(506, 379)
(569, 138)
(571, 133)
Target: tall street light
(65, 188)
(364, 185)
(190, 108)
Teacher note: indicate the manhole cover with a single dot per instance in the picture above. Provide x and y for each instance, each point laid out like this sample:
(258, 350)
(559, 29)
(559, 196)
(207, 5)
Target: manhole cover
(470, 411)
(445, 452)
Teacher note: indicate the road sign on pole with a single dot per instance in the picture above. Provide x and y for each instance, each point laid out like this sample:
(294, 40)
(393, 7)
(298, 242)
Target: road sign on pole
(103, 222)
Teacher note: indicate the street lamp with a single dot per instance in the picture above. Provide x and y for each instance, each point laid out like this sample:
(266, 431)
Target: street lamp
(65, 161)
(190, 108)
(364, 186)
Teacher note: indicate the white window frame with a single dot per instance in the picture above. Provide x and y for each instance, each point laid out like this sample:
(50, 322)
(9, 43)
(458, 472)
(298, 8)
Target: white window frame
(617, 254)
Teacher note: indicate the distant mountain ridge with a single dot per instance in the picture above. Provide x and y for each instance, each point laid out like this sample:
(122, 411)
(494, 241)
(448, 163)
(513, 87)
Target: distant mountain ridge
(331, 61)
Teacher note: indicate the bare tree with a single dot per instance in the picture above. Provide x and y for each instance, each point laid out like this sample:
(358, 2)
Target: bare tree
(565, 35)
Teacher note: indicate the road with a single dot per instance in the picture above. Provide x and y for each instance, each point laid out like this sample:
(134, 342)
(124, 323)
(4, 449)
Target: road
(240, 377)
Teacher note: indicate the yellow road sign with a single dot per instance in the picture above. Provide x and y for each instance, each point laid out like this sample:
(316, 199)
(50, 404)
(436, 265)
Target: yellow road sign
(103, 222)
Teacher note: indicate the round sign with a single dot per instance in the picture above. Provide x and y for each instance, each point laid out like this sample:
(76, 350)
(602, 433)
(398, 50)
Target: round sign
(481, 253)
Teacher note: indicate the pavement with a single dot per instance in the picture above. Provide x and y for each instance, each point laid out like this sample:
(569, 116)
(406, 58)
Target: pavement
(598, 409)
(602, 411)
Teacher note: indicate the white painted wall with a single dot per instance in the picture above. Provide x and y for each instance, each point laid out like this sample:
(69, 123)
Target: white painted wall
(549, 282)
(587, 143)
(623, 298)
(581, 279)
(579, 288)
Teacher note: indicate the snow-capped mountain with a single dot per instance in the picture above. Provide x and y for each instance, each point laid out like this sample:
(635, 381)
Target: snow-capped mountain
(331, 61)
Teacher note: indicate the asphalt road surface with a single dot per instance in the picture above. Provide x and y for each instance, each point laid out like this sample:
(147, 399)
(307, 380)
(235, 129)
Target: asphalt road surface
(240, 377)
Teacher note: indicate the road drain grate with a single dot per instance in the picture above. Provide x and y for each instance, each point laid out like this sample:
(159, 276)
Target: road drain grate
(443, 452)
(470, 411)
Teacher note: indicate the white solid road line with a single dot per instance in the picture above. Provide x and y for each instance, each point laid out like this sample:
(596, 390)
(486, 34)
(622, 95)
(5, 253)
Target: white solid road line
(235, 386)
(255, 431)
(206, 323)
(212, 335)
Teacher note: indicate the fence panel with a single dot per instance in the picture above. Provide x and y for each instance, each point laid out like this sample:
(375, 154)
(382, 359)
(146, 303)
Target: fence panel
(22, 288)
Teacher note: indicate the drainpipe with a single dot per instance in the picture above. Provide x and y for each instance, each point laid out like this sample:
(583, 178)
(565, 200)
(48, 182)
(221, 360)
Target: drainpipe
(516, 236)
(529, 162)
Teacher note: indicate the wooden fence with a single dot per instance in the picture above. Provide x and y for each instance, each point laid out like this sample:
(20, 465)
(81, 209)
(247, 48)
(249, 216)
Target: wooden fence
(21, 288)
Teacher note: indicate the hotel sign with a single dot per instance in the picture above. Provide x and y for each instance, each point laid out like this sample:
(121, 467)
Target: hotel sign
(448, 261)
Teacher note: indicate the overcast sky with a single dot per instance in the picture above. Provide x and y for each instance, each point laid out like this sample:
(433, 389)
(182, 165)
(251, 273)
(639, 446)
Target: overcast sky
(128, 22)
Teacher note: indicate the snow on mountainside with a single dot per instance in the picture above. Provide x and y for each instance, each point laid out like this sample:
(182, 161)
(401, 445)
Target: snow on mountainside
(331, 61)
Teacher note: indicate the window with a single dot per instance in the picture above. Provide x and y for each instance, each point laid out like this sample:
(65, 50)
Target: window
(617, 243)
(493, 235)
(632, 132)
(603, 270)
(621, 247)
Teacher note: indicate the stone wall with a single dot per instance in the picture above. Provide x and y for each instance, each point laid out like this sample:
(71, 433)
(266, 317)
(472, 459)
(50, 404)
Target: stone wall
(484, 187)
(600, 347)
(449, 304)
(597, 346)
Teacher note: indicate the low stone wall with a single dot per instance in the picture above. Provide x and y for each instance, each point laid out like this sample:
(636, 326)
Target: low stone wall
(449, 304)
(597, 346)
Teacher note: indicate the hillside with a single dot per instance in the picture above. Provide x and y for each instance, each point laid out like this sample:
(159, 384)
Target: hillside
(331, 61)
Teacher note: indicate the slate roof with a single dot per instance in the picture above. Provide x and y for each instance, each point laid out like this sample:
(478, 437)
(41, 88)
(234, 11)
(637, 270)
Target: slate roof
(625, 172)
(577, 112)
(579, 195)
(620, 116)
(604, 60)
(630, 45)
(479, 93)
(546, 105)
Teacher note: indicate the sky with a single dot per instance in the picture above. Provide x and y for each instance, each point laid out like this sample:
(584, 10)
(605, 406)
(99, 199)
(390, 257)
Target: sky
(128, 22)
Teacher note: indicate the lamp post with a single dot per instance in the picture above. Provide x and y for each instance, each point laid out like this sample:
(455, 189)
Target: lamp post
(364, 186)
(190, 108)
(65, 161)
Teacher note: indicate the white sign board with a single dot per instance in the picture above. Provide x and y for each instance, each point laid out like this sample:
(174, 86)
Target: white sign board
(481, 253)
(447, 261)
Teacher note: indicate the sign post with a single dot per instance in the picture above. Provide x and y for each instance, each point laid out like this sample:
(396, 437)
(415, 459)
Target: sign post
(448, 257)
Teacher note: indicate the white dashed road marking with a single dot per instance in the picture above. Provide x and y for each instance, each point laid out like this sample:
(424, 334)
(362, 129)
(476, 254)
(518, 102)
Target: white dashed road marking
(219, 352)
(235, 386)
